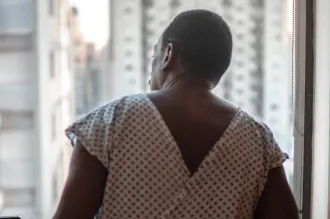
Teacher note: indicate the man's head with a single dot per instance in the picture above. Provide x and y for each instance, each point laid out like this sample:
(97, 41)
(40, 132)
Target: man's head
(198, 43)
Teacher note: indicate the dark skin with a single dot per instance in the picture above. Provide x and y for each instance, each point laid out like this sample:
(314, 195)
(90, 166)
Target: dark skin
(83, 192)
(203, 119)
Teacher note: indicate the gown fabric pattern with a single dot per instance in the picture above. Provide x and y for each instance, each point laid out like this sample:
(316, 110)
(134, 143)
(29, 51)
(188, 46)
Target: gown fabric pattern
(148, 178)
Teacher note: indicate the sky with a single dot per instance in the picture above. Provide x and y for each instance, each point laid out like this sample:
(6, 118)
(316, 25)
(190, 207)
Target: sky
(94, 20)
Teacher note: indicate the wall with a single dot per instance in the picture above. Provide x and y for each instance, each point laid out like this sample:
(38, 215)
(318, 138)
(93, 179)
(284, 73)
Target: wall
(320, 180)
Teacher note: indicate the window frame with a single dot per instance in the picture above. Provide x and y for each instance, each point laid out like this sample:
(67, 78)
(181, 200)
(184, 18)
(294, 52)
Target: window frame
(304, 105)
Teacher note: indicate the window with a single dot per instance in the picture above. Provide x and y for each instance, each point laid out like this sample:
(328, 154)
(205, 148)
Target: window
(240, 64)
(51, 7)
(240, 22)
(132, 81)
(227, 3)
(261, 66)
(239, 92)
(128, 39)
(14, 119)
(69, 61)
(129, 68)
(163, 23)
(240, 50)
(175, 3)
(240, 37)
(16, 16)
(240, 77)
(273, 107)
(128, 53)
(147, 3)
(52, 69)
(278, 37)
(275, 66)
(239, 8)
(228, 18)
(53, 126)
(128, 10)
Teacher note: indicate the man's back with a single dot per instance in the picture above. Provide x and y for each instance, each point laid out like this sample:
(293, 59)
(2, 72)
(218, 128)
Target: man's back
(196, 119)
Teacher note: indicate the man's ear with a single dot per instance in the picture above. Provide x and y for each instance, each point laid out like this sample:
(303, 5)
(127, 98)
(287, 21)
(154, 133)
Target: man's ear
(168, 56)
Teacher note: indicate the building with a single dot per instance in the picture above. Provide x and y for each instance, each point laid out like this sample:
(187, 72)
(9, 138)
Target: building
(36, 103)
(87, 70)
(259, 79)
(126, 59)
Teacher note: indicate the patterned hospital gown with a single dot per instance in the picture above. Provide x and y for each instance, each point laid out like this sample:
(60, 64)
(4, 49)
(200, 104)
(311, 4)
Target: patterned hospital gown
(148, 177)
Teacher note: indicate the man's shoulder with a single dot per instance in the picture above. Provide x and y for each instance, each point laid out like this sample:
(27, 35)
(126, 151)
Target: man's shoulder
(255, 123)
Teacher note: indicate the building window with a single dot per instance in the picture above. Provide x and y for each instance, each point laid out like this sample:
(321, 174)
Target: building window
(16, 16)
(128, 39)
(239, 64)
(227, 3)
(228, 18)
(69, 62)
(132, 81)
(240, 22)
(240, 50)
(239, 91)
(275, 66)
(278, 37)
(175, 3)
(51, 7)
(240, 36)
(147, 3)
(53, 126)
(239, 8)
(128, 53)
(129, 68)
(240, 77)
(163, 23)
(273, 107)
(11, 119)
(52, 64)
(127, 10)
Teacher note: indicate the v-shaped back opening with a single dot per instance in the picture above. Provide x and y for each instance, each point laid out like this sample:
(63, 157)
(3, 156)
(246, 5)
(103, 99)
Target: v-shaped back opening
(179, 150)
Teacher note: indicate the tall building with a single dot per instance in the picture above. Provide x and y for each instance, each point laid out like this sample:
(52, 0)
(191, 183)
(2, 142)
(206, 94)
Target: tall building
(259, 79)
(36, 103)
(126, 59)
(87, 72)
(87, 69)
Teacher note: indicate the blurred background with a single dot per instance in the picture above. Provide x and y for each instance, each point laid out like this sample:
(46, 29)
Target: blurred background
(59, 59)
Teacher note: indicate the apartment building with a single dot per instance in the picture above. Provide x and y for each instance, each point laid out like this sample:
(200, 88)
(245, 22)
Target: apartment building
(36, 103)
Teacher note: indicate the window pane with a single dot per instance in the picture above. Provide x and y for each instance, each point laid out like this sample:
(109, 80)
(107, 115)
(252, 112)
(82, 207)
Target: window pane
(102, 51)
